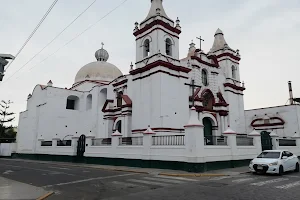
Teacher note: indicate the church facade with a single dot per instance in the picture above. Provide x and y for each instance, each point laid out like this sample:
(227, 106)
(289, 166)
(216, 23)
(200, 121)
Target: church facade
(166, 108)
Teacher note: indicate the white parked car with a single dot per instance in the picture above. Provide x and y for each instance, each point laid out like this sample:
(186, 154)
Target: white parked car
(274, 162)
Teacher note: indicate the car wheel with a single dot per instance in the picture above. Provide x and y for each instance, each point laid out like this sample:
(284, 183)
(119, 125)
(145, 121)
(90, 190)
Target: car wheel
(280, 173)
(297, 167)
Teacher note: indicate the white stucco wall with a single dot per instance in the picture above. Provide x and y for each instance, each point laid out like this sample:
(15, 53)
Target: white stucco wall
(290, 114)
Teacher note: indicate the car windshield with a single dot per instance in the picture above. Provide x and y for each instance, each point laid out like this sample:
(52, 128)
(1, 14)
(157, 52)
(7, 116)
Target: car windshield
(269, 155)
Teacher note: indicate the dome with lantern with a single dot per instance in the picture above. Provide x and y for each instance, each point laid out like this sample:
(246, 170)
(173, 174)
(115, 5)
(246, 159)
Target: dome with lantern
(100, 70)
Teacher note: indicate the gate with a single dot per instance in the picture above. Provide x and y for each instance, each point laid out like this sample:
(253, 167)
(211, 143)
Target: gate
(80, 148)
(266, 141)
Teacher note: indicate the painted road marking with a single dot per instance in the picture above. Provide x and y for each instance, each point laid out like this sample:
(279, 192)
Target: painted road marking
(126, 184)
(242, 180)
(177, 178)
(149, 182)
(220, 178)
(287, 186)
(292, 176)
(164, 180)
(63, 168)
(8, 172)
(89, 179)
(269, 181)
(43, 170)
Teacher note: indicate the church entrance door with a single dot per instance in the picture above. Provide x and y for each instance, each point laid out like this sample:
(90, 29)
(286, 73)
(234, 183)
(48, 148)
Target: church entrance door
(81, 148)
(266, 141)
(208, 136)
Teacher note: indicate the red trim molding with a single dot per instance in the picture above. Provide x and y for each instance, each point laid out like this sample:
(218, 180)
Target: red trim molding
(157, 28)
(155, 23)
(159, 71)
(120, 83)
(281, 123)
(149, 57)
(234, 92)
(106, 103)
(234, 86)
(229, 55)
(162, 64)
(204, 62)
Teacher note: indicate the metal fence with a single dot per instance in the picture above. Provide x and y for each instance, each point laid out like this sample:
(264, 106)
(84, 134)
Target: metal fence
(244, 141)
(287, 142)
(215, 140)
(168, 140)
(134, 141)
(101, 142)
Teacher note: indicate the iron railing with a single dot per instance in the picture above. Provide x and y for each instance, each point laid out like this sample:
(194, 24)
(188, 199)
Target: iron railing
(101, 142)
(215, 140)
(287, 142)
(168, 140)
(244, 141)
(133, 141)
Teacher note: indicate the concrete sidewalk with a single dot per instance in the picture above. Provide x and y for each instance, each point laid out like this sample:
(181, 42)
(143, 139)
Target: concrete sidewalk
(165, 172)
(12, 190)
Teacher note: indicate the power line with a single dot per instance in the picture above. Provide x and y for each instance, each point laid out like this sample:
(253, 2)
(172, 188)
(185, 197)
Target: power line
(52, 40)
(89, 27)
(33, 32)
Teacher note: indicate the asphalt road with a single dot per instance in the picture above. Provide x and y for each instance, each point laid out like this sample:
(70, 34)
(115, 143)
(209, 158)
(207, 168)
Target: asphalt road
(87, 183)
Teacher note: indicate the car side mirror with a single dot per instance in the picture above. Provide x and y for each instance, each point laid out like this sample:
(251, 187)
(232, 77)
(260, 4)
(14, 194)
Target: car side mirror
(284, 157)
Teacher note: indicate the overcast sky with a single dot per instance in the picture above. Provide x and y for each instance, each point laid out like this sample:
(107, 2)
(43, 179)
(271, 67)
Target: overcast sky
(266, 32)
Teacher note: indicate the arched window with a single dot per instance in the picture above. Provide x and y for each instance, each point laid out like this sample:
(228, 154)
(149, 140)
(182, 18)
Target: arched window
(168, 47)
(72, 103)
(119, 126)
(204, 77)
(89, 102)
(119, 99)
(233, 72)
(208, 100)
(146, 48)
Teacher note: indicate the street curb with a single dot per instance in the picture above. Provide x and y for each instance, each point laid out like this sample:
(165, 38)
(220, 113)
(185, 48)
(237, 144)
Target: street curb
(45, 196)
(192, 175)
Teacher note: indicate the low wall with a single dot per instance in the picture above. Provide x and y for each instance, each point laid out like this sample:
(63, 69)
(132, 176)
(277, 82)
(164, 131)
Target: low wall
(6, 149)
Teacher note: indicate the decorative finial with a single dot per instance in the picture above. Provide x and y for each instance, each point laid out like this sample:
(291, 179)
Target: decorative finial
(131, 66)
(136, 26)
(243, 84)
(102, 45)
(178, 23)
(238, 52)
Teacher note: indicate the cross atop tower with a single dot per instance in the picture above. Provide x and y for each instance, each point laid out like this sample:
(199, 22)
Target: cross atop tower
(102, 45)
(199, 38)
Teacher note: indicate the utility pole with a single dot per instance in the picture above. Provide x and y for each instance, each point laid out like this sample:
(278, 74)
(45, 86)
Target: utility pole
(3, 62)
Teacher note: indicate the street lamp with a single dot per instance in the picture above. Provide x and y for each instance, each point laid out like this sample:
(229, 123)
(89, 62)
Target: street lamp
(3, 63)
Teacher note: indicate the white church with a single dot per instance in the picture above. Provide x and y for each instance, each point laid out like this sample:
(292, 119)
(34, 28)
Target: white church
(167, 112)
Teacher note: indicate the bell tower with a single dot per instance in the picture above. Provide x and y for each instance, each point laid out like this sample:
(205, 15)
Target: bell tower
(156, 35)
(158, 76)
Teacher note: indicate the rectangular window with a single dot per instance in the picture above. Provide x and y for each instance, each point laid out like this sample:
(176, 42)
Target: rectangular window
(46, 143)
(62, 143)
(70, 104)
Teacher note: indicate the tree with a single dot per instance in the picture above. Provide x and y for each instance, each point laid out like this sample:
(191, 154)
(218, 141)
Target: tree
(6, 117)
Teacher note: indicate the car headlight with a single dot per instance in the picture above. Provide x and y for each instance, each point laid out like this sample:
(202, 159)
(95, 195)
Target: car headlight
(273, 164)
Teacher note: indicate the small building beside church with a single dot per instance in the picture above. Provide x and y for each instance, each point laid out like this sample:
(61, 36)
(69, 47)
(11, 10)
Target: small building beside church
(167, 111)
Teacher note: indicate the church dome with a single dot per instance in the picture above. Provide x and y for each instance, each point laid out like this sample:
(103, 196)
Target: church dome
(100, 70)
